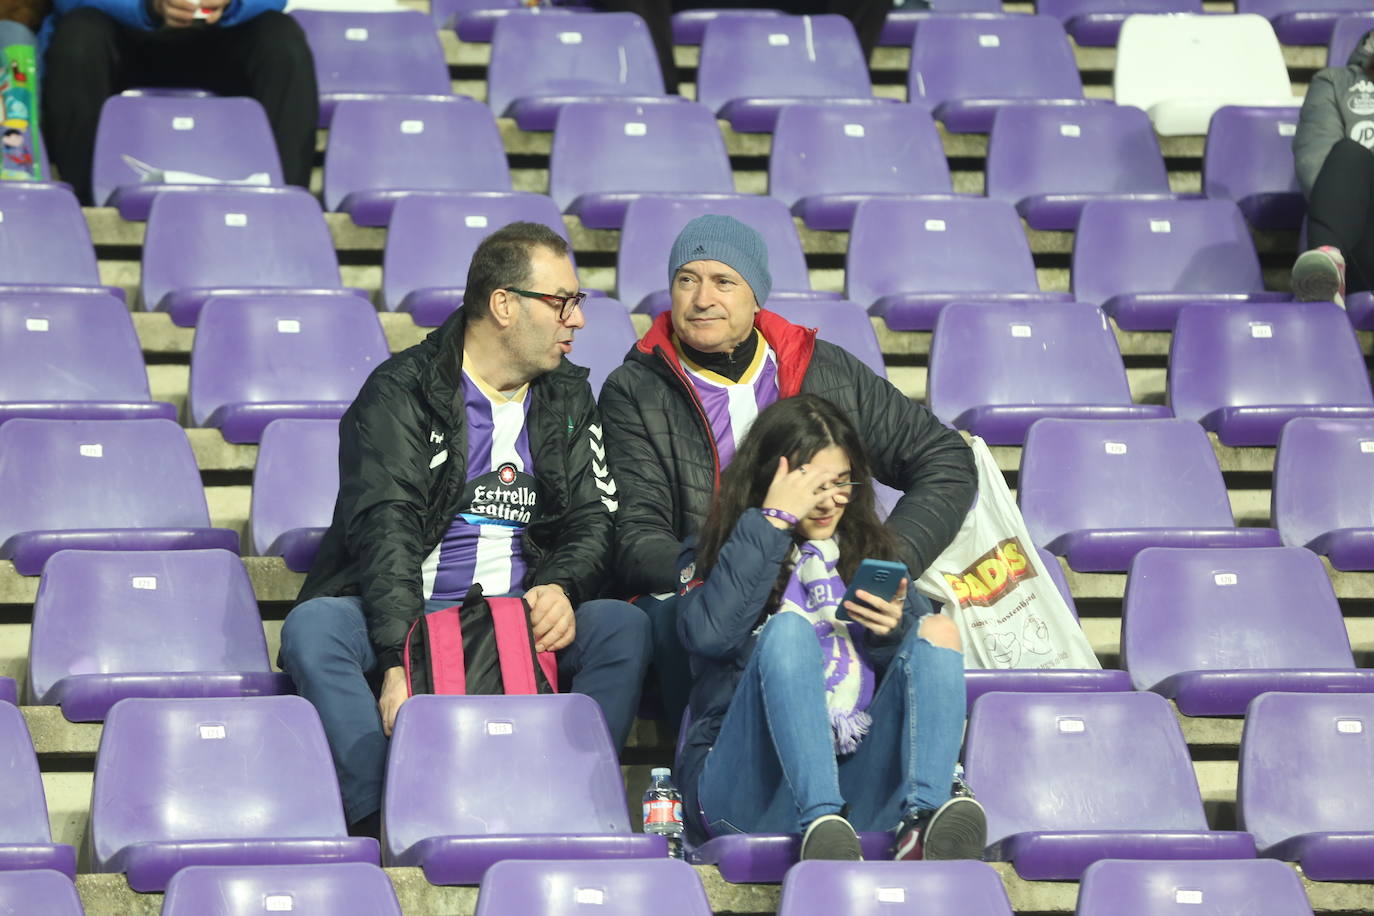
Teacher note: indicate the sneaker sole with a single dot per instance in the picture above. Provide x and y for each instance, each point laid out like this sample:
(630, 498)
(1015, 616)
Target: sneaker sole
(842, 846)
(1316, 278)
(958, 832)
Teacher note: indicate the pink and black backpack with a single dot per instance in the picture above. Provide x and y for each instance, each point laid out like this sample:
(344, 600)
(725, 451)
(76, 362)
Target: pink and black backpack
(483, 646)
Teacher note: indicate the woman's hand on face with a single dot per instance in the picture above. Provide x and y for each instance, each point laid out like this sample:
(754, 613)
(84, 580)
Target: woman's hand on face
(796, 492)
(878, 616)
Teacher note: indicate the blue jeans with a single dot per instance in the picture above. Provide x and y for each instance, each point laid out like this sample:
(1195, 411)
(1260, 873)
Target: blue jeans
(773, 768)
(326, 650)
(671, 661)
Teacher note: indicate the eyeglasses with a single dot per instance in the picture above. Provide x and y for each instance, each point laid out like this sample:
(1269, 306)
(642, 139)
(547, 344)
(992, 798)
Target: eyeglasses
(564, 304)
(840, 493)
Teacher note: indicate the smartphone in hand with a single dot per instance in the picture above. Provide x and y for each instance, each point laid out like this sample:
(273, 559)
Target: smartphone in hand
(877, 577)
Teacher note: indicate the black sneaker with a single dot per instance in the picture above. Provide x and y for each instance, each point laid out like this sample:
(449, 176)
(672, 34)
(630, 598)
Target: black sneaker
(831, 837)
(958, 829)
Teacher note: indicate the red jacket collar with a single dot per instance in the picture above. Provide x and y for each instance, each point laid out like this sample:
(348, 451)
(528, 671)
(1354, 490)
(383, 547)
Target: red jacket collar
(793, 344)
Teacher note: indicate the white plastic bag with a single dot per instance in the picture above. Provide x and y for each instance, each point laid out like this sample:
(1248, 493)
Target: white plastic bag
(993, 583)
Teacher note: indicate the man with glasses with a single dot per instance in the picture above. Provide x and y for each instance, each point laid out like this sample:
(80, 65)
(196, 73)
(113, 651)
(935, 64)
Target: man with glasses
(472, 458)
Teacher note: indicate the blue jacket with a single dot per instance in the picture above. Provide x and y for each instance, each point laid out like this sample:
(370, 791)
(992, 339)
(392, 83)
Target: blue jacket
(135, 15)
(716, 620)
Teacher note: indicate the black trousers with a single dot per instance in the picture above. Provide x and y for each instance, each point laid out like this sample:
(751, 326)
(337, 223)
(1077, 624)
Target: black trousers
(1341, 211)
(92, 57)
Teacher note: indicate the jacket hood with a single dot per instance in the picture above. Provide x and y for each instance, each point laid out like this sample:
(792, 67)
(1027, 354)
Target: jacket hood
(1364, 49)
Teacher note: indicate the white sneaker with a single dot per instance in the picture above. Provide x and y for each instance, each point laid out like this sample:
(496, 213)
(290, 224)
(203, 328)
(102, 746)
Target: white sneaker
(1319, 276)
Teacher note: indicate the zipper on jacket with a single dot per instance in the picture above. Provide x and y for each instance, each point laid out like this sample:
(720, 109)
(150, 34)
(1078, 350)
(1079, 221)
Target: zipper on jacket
(701, 411)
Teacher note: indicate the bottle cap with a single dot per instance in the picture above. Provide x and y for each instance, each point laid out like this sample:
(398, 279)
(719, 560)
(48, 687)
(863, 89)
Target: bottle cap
(660, 771)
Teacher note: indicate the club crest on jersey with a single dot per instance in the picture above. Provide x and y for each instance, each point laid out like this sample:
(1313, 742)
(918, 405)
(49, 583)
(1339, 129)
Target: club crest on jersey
(687, 573)
(506, 473)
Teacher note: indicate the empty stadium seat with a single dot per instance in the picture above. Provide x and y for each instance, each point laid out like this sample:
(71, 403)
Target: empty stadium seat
(472, 780)
(25, 837)
(1097, 23)
(1305, 762)
(38, 890)
(45, 242)
(1346, 34)
(899, 29)
(839, 321)
(619, 888)
(381, 150)
(110, 624)
(219, 139)
(1243, 370)
(820, 888)
(1213, 60)
(295, 483)
(72, 356)
(1142, 261)
(431, 240)
(340, 888)
(607, 153)
(826, 159)
(1323, 474)
(100, 485)
(690, 25)
(1035, 360)
(652, 224)
(1097, 492)
(9, 691)
(211, 242)
(475, 20)
(966, 69)
(258, 358)
(1302, 22)
(1252, 887)
(601, 345)
(1051, 161)
(229, 781)
(360, 54)
(1213, 629)
(1249, 159)
(765, 858)
(910, 257)
(541, 63)
(1095, 776)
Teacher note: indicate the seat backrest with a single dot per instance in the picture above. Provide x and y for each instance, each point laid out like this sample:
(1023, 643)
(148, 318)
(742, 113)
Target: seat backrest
(224, 138)
(1270, 9)
(1323, 475)
(782, 56)
(388, 52)
(827, 149)
(1030, 353)
(81, 474)
(1080, 761)
(205, 769)
(1064, 10)
(1250, 151)
(44, 237)
(23, 806)
(1102, 474)
(1119, 887)
(296, 479)
(342, 888)
(1260, 353)
(1088, 148)
(611, 887)
(56, 347)
(845, 324)
(1223, 609)
(601, 345)
(1014, 57)
(1350, 30)
(821, 888)
(579, 54)
(1225, 58)
(1180, 246)
(620, 146)
(38, 890)
(1305, 762)
(136, 612)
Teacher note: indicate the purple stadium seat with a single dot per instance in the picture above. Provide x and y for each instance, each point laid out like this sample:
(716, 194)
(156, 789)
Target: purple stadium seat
(820, 888)
(909, 257)
(112, 624)
(447, 14)
(541, 63)
(1249, 159)
(1239, 887)
(227, 140)
(431, 240)
(966, 69)
(1243, 370)
(258, 358)
(476, 19)
(100, 485)
(215, 781)
(295, 483)
(1349, 29)
(38, 890)
(900, 28)
(1142, 261)
(601, 345)
(652, 224)
(764, 858)
(1035, 360)
(25, 837)
(1213, 629)
(1322, 495)
(1302, 22)
(361, 55)
(839, 321)
(689, 26)
(339, 888)
(826, 159)
(72, 356)
(45, 242)
(605, 154)
(216, 242)
(1097, 23)
(9, 691)
(472, 780)
(1097, 492)
(380, 150)
(608, 888)
(1051, 161)
(1096, 776)
(1306, 761)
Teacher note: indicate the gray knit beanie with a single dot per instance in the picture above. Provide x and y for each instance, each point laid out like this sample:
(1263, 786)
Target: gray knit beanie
(723, 238)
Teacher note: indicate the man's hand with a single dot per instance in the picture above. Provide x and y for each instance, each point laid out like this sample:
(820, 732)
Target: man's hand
(394, 693)
(551, 618)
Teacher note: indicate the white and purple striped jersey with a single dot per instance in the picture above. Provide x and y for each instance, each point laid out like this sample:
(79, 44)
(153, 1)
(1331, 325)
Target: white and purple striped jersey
(732, 407)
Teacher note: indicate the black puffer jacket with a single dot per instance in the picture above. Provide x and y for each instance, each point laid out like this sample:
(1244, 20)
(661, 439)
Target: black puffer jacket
(403, 469)
(664, 457)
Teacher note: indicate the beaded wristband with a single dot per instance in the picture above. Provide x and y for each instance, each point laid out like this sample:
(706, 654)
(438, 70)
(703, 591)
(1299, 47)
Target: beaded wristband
(781, 516)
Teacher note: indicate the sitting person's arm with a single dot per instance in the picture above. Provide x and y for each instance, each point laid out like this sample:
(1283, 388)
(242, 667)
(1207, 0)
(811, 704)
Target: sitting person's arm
(1319, 129)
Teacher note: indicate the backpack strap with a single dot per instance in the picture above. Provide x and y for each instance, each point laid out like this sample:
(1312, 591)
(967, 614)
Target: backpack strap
(513, 645)
(444, 632)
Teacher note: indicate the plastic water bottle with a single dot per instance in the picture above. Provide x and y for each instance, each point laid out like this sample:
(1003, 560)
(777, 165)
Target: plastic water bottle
(663, 809)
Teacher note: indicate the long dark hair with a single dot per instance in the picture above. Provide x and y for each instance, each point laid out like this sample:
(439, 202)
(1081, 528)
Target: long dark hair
(797, 428)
